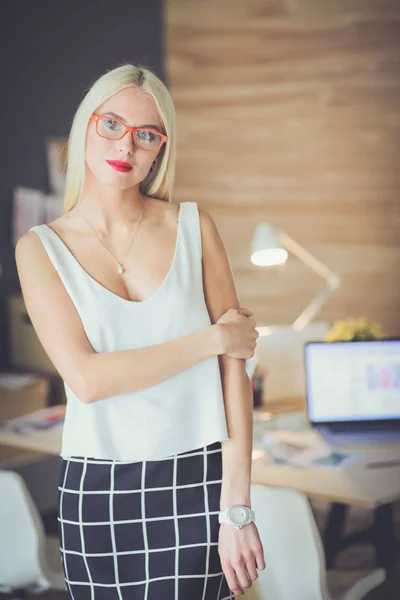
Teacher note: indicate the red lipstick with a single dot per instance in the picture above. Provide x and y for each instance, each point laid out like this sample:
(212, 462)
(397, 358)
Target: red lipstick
(118, 165)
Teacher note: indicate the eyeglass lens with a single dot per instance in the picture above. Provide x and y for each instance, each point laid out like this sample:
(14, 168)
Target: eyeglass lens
(148, 140)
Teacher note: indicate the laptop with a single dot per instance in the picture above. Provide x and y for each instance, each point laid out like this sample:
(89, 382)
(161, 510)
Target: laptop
(353, 390)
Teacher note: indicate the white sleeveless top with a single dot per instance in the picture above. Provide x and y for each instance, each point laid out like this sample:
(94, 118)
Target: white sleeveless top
(185, 411)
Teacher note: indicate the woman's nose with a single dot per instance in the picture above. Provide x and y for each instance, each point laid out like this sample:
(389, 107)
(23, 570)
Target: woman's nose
(126, 142)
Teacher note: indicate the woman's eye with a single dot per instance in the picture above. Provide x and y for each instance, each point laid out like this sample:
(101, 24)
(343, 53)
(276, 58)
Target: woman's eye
(146, 135)
(111, 124)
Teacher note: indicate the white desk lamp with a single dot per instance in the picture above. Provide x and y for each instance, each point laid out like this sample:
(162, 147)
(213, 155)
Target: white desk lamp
(269, 247)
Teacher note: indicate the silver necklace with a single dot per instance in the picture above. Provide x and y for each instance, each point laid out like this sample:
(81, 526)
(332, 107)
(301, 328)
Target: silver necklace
(121, 267)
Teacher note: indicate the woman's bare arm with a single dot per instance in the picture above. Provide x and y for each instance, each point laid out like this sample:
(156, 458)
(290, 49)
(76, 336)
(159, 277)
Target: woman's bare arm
(91, 375)
(220, 294)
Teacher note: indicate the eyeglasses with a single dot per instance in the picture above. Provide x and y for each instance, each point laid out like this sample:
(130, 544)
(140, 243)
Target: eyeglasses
(143, 137)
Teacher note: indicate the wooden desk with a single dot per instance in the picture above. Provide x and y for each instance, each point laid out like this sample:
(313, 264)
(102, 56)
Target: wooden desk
(356, 485)
(47, 442)
(44, 440)
(375, 489)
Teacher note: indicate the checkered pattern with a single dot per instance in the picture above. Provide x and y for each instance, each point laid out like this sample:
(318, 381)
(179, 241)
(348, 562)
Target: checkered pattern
(142, 530)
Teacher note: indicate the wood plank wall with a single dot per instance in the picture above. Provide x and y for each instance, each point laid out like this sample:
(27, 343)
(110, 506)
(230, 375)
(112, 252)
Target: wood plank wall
(289, 112)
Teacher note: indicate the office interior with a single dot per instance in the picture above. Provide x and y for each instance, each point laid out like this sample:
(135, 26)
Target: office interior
(288, 114)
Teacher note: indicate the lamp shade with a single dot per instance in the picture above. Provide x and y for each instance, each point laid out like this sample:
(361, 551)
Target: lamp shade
(266, 249)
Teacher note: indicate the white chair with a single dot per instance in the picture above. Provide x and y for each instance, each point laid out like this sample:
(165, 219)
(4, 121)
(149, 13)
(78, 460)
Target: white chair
(294, 555)
(29, 560)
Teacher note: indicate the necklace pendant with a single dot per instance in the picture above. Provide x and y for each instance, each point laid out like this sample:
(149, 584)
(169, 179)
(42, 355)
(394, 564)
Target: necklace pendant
(120, 268)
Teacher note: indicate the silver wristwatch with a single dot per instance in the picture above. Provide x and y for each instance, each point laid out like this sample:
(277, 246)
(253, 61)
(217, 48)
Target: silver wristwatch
(237, 515)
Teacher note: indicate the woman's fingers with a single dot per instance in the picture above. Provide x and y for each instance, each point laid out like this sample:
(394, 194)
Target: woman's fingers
(241, 555)
(242, 574)
(260, 558)
(245, 311)
(231, 579)
(251, 568)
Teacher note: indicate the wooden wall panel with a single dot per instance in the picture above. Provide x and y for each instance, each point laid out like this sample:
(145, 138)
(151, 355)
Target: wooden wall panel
(289, 112)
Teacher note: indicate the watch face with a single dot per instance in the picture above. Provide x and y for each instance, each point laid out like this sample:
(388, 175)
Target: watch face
(238, 515)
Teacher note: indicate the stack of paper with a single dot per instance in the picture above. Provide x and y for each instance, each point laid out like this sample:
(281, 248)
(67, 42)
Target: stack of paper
(305, 449)
(37, 421)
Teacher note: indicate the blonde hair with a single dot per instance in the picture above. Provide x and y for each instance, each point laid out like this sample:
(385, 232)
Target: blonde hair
(158, 183)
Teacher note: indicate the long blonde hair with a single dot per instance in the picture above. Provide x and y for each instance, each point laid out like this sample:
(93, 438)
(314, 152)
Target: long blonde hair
(158, 183)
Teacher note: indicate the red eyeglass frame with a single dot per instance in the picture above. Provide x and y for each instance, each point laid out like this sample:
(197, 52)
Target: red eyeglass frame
(164, 138)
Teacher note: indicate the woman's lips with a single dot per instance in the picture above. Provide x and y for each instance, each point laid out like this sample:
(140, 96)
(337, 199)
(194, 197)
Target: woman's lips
(119, 166)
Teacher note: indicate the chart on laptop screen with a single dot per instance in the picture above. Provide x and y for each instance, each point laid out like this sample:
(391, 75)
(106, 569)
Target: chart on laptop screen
(353, 380)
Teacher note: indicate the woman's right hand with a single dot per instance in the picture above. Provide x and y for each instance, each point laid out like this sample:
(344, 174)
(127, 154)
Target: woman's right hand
(239, 333)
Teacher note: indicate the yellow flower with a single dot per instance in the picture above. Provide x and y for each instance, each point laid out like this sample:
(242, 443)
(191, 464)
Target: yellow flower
(353, 328)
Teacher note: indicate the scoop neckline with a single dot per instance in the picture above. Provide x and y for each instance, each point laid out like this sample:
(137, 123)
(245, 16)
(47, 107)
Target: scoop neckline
(113, 294)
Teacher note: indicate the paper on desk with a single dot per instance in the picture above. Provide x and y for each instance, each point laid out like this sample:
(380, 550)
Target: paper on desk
(16, 381)
(306, 449)
(36, 421)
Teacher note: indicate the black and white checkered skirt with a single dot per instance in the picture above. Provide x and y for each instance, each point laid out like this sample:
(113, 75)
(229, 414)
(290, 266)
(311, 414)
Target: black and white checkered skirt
(143, 530)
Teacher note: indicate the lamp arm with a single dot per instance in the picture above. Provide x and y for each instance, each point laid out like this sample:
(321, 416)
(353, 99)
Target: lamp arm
(332, 280)
(311, 310)
(308, 259)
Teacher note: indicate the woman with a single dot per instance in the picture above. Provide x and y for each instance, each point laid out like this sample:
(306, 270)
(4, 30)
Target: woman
(133, 299)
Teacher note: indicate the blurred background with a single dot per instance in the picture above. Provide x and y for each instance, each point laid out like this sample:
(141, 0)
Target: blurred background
(287, 114)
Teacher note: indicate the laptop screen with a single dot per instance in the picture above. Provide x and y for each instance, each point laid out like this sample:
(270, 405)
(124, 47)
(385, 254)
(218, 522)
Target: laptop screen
(353, 381)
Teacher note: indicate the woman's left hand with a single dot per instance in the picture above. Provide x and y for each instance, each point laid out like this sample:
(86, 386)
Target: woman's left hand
(241, 553)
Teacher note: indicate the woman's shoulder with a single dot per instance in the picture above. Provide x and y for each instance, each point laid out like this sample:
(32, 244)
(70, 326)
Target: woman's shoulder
(165, 210)
(64, 222)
